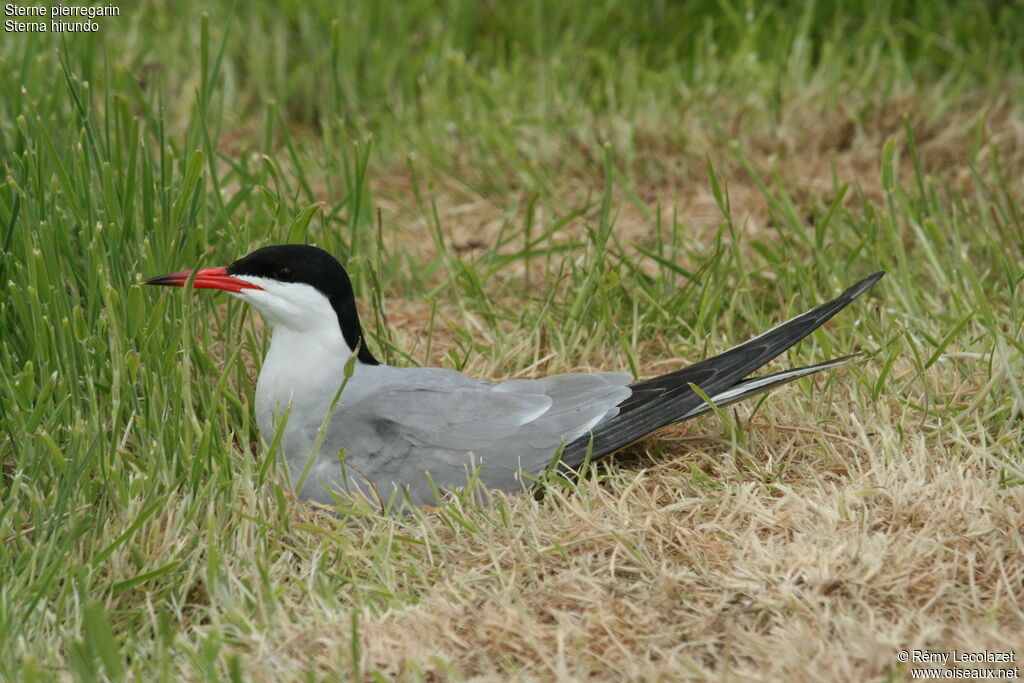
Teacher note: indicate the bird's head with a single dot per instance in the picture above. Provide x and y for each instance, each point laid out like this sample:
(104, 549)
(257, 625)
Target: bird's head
(294, 286)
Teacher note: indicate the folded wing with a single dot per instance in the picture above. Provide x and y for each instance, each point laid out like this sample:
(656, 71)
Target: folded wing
(508, 427)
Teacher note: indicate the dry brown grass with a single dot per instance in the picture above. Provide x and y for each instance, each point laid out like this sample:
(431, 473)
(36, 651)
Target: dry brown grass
(853, 548)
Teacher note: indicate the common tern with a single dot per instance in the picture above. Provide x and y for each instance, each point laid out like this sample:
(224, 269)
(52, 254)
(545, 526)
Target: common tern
(412, 432)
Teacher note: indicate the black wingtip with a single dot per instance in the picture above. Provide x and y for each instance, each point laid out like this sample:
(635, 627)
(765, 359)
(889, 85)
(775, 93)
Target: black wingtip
(667, 398)
(859, 288)
(856, 289)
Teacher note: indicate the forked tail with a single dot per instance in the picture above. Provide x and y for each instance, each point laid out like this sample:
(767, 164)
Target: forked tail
(668, 398)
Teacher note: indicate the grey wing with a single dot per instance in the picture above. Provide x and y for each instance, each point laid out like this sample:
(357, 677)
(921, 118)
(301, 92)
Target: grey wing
(579, 402)
(501, 428)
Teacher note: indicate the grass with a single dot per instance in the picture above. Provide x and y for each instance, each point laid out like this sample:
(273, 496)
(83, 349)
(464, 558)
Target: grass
(518, 190)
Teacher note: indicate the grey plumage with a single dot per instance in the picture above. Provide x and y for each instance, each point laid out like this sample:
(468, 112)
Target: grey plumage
(410, 431)
(416, 420)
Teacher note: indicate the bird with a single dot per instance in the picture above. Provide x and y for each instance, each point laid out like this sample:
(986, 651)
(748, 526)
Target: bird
(351, 426)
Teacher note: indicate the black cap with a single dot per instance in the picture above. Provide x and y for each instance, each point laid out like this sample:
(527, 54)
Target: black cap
(312, 266)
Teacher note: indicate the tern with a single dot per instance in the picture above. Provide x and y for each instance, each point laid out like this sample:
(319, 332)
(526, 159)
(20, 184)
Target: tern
(352, 425)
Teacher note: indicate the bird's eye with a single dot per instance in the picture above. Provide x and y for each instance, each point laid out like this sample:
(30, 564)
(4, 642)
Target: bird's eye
(284, 273)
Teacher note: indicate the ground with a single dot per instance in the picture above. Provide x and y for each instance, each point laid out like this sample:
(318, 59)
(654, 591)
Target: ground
(519, 189)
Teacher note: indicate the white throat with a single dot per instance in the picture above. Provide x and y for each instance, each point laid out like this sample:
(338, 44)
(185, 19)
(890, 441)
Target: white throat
(305, 363)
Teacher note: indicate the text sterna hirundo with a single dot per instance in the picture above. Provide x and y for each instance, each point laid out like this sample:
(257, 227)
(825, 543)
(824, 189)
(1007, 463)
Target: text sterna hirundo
(418, 430)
